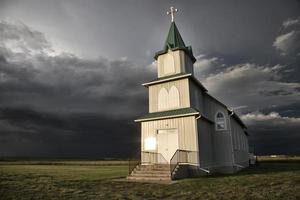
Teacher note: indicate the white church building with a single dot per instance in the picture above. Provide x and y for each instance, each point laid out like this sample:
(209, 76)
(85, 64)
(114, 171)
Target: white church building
(187, 132)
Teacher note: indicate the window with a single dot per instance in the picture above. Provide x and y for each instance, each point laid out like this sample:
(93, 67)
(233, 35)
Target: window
(163, 99)
(168, 66)
(220, 121)
(173, 97)
(168, 100)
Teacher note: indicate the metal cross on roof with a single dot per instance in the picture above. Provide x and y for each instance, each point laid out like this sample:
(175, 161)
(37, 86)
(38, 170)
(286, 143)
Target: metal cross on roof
(172, 12)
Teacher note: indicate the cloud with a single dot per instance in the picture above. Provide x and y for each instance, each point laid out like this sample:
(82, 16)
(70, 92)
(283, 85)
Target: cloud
(206, 65)
(65, 82)
(27, 132)
(19, 38)
(288, 43)
(252, 85)
(62, 104)
(273, 133)
(291, 22)
(273, 119)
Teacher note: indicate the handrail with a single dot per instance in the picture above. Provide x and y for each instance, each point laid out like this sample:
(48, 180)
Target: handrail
(134, 162)
(182, 156)
(153, 157)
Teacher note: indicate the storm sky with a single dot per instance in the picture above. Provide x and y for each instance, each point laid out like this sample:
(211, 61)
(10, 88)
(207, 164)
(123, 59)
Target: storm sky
(71, 71)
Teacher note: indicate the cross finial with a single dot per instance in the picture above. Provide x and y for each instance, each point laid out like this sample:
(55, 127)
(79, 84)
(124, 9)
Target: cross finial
(172, 12)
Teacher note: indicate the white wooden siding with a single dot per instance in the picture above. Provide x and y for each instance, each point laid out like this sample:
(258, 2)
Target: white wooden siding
(187, 138)
(168, 65)
(240, 140)
(173, 62)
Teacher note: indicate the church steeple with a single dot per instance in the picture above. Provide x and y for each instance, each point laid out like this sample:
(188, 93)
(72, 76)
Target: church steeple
(174, 40)
(175, 57)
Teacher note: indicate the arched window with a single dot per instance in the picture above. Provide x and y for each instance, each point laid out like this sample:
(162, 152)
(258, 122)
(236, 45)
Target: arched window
(220, 121)
(173, 97)
(168, 67)
(163, 99)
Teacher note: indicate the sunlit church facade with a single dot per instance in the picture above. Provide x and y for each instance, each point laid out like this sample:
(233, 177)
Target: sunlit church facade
(186, 128)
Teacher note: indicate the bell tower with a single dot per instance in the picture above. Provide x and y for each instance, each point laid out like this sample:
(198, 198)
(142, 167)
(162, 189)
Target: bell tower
(175, 58)
(171, 122)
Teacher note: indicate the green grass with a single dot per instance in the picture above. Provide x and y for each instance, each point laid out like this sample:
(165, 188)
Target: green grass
(274, 178)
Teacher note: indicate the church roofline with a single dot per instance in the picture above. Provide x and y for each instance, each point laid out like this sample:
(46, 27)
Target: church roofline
(166, 78)
(188, 50)
(238, 119)
(175, 42)
(205, 118)
(215, 99)
(234, 115)
(175, 77)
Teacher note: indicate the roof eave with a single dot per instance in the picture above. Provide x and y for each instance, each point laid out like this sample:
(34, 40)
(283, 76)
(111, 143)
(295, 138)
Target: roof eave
(167, 79)
(174, 49)
(165, 117)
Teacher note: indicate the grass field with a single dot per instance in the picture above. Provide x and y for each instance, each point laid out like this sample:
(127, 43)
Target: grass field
(274, 178)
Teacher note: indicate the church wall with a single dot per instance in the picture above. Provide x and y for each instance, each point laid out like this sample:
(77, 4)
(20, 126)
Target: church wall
(187, 137)
(221, 140)
(205, 143)
(240, 144)
(211, 106)
(181, 85)
(173, 62)
(187, 63)
(196, 97)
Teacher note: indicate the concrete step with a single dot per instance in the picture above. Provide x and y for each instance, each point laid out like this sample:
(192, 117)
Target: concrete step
(149, 178)
(155, 172)
(155, 167)
(151, 175)
(151, 172)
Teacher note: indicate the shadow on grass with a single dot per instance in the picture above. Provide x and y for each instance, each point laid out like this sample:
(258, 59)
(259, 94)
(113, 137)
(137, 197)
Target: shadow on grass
(265, 167)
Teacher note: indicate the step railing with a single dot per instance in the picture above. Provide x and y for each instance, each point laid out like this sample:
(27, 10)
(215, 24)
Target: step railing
(134, 162)
(183, 156)
(149, 157)
(153, 158)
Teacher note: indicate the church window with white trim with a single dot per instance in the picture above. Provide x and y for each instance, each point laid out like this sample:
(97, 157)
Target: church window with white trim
(220, 121)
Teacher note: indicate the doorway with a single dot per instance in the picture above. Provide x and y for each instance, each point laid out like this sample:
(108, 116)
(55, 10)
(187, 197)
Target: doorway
(167, 142)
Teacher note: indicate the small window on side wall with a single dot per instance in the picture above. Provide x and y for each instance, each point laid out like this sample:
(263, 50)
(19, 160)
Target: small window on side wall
(220, 121)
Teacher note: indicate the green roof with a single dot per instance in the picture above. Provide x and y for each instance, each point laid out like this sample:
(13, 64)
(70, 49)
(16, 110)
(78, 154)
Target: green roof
(168, 113)
(179, 75)
(174, 42)
(175, 77)
(174, 39)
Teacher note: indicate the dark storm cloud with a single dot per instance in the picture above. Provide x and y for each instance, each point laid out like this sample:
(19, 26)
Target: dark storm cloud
(33, 133)
(241, 30)
(272, 132)
(64, 82)
(57, 105)
(252, 85)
